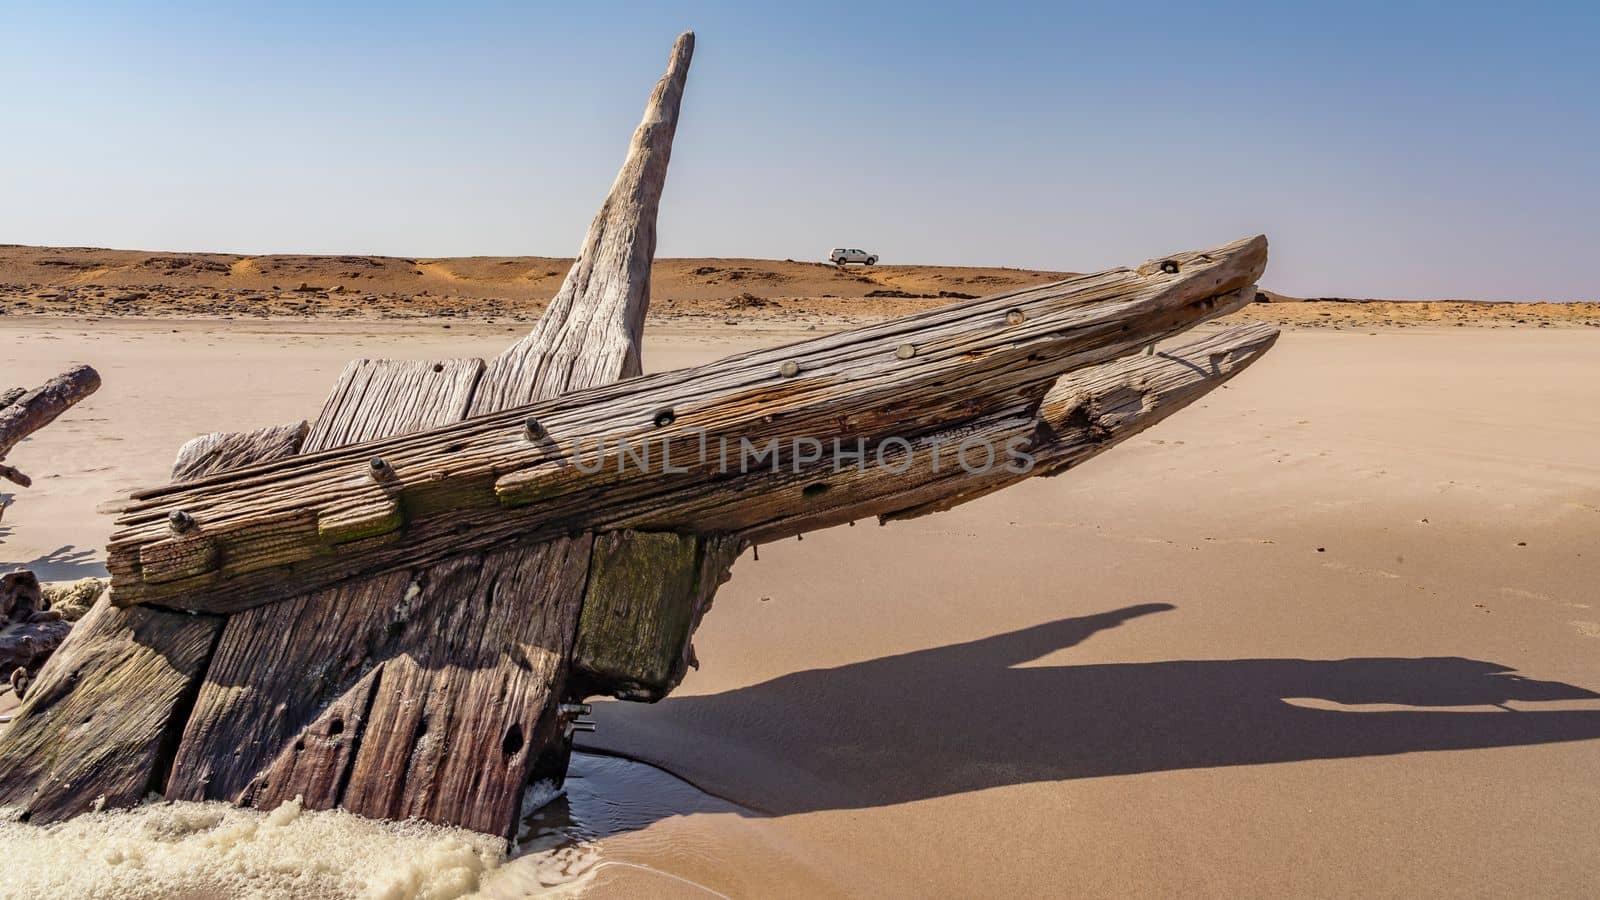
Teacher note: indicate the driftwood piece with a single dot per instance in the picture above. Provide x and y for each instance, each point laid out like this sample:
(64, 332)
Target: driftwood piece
(434, 689)
(323, 518)
(221, 450)
(11, 395)
(40, 406)
(29, 630)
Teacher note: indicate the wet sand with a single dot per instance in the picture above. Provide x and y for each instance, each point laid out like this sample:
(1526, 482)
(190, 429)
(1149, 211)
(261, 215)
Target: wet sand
(1331, 631)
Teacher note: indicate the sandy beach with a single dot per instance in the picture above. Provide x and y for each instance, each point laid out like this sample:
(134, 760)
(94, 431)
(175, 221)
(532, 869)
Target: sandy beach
(1331, 631)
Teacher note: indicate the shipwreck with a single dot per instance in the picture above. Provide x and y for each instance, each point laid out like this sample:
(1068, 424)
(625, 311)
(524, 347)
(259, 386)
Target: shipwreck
(399, 606)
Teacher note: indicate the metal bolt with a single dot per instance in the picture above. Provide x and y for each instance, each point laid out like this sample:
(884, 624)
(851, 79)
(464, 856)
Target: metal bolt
(180, 521)
(665, 417)
(905, 351)
(380, 468)
(1170, 266)
(534, 429)
(789, 369)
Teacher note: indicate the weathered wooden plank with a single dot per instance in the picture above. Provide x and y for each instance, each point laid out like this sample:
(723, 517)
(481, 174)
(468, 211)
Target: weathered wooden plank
(635, 609)
(94, 722)
(276, 670)
(622, 641)
(403, 697)
(286, 699)
(26, 645)
(221, 450)
(487, 480)
(456, 719)
(378, 397)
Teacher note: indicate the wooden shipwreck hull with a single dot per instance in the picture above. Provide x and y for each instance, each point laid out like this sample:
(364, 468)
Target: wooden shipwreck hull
(396, 607)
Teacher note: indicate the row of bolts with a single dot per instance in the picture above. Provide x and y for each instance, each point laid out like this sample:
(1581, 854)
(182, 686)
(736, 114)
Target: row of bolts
(181, 521)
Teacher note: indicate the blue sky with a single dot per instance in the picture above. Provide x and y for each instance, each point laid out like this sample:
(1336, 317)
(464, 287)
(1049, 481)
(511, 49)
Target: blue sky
(1388, 149)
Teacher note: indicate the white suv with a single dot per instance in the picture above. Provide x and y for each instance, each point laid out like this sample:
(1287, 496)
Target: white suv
(841, 256)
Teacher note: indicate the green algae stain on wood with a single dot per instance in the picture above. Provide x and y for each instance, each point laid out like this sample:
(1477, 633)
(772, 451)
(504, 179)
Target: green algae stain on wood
(637, 613)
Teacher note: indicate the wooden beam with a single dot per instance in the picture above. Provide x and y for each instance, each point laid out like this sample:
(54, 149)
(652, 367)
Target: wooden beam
(315, 520)
(1084, 414)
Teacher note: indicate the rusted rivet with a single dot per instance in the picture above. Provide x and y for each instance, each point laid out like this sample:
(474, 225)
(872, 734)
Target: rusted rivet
(1015, 317)
(532, 427)
(905, 351)
(789, 369)
(665, 417)
(180, 521)
(380, 468)
(1169, 266)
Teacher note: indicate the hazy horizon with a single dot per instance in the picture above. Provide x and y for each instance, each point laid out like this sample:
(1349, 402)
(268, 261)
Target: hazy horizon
(1404, 153)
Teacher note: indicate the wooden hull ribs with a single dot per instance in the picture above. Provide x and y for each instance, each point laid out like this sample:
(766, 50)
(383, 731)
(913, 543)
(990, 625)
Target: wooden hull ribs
(396, 607)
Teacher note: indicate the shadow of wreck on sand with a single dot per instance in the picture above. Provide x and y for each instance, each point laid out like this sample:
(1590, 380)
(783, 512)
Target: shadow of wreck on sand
(961, 718)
